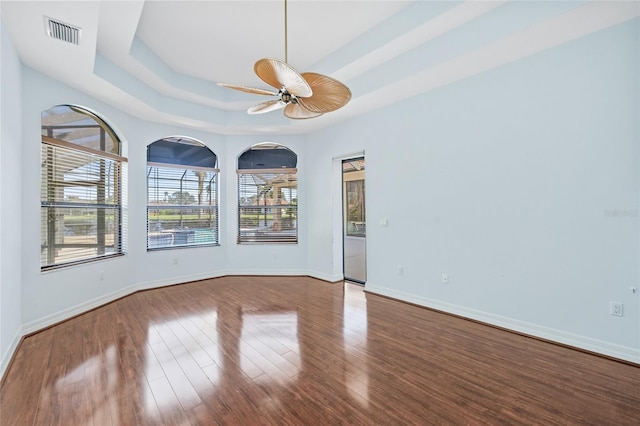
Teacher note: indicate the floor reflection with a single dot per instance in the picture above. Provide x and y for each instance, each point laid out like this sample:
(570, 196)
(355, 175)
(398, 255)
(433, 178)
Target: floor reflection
(100, 370)
(270, 340)
(355, 343)
(204, 358)
(181, 356)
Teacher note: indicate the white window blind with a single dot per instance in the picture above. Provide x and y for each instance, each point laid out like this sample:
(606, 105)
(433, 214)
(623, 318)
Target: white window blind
(268, 206)
(81, 203)
(182, 206)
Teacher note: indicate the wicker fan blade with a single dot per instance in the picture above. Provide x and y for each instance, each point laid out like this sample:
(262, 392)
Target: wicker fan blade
(266, 107)
(298, 112)
(328, 94)
(249, 89)
(277, 73)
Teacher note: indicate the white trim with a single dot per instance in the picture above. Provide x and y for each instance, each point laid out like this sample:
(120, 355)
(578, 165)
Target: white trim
(6, 357)
(149, 285)
(354, 154)
(332, 278)
(65, 314)
(337, 204)
(181, 166)
(594, 345)
(267, 272)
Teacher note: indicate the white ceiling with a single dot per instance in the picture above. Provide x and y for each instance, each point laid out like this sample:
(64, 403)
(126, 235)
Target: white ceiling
(221, 40)
(160, 60)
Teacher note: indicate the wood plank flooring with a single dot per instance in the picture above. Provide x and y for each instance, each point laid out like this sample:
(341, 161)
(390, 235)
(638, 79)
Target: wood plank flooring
(299, 351)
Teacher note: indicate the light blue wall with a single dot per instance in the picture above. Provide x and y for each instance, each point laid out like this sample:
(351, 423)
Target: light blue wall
(520, 183)
(10, 196)
(288, 259)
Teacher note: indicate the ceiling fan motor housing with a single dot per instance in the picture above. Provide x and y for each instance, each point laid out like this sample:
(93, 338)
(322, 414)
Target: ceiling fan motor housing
(286, 97)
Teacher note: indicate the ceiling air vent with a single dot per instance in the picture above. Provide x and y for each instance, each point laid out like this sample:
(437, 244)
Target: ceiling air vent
(61, 31)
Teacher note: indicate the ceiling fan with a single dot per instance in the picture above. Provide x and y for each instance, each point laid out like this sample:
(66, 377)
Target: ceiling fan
(301, 95)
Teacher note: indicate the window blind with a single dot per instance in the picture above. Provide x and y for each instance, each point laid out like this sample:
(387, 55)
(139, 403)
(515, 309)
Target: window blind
(182, 206)
(268, 206)
(81, 204)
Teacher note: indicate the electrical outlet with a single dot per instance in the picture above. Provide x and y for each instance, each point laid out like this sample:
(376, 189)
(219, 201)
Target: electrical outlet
(616, 309)
(400, 270)
(101, 275)
(445, 278)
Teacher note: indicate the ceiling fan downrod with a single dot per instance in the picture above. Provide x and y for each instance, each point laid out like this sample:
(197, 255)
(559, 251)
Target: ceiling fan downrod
(286, 59)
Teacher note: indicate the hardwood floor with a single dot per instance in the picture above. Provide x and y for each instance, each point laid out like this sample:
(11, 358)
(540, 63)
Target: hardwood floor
(298, 351)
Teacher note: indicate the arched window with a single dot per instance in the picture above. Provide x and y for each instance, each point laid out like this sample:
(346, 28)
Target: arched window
(82, 174)
(267, 195)
(182, 194)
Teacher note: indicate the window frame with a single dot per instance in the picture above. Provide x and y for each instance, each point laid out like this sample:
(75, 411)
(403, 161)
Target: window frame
(187, 237)
(284, 234)
(50, 201)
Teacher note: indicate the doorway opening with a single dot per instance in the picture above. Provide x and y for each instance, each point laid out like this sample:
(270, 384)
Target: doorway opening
(354, 228)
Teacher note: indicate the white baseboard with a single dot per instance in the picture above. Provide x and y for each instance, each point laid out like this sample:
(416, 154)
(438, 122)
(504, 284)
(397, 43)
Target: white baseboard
(582, 342)
(325, 277)
(266, 272)
(72, 311)
(6, 356)
(65, 314)
(147, 285)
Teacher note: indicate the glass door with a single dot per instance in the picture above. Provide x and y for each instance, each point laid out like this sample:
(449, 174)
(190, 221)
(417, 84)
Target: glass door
(354, 233)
